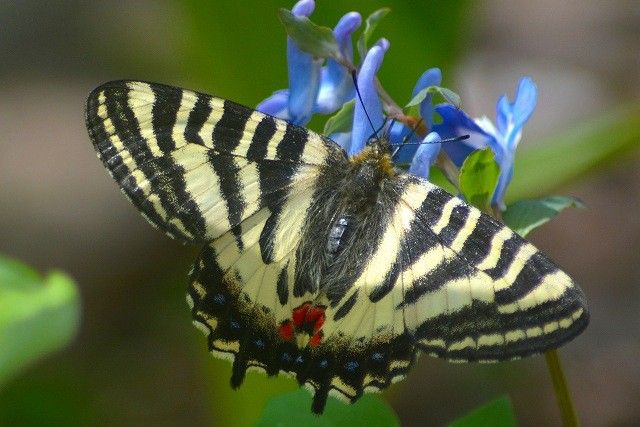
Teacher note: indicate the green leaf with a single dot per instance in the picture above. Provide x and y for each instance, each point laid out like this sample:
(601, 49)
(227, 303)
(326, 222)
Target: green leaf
(370, 25)
(561, 159)
(437, 177)
(447, 94)
(311, 38)
(497, 413)
(478, 178)
(526, 215)
(342, 121)
(294, 409)
(37, 315)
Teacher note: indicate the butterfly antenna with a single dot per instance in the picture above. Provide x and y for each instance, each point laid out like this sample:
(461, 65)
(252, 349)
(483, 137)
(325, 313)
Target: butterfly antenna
(438, 141)
(355, 83)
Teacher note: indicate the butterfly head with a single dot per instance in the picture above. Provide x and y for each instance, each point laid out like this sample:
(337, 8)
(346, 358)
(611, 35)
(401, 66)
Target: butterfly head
(376, 158)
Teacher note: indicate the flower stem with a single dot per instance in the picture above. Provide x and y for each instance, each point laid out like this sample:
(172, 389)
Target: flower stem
(568, 412)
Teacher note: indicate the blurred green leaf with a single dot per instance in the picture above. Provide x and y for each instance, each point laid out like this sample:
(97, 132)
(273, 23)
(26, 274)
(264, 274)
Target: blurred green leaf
(478, 178)
(342, 121)
(437, 177)
(37, 315)
(312, 38)
(526, 215)
(370, 25)
(561, 159)
(447, 94)
(497, 413)
(294, 409)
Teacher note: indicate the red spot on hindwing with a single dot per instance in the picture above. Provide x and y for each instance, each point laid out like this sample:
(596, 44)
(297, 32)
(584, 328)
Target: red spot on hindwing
(286, 330)
(305, 319)
(299, 314)
(315, 340)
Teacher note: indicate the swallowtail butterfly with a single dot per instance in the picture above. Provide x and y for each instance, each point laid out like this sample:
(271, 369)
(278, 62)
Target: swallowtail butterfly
(337, 270)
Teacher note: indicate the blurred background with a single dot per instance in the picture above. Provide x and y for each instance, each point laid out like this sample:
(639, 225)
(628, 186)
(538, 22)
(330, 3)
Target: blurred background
(137, 358)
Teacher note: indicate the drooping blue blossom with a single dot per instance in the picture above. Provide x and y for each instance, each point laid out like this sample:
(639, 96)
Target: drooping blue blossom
(370, 103)
(400, 132)
(502, 139)
(425, 154)
(312, 87)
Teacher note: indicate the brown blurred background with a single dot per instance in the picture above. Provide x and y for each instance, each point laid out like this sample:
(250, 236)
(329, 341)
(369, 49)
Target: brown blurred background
(137, 358)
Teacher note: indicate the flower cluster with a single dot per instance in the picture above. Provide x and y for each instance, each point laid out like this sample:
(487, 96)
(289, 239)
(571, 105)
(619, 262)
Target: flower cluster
(324, 85)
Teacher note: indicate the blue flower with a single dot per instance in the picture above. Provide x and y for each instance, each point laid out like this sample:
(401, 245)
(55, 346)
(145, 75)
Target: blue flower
(399, 132)
(362, 129)
(502, 139)
(420, 155)
(312, 87)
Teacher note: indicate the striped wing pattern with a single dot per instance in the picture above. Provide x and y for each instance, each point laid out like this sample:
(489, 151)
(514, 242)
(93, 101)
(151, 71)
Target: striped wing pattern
(468, 287)
(435, 274)
(196, 166)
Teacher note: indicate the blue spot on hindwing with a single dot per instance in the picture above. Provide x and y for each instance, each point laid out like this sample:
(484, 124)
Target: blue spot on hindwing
(377, 356)
(351, 365)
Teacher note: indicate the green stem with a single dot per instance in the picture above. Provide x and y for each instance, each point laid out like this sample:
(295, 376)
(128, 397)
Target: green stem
(568, 412)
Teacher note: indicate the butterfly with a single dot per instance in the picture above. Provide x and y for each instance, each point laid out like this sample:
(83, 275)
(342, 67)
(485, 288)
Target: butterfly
(338, 270)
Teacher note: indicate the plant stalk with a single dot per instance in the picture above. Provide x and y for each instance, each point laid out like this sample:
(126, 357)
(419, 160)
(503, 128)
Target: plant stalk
(567, 410)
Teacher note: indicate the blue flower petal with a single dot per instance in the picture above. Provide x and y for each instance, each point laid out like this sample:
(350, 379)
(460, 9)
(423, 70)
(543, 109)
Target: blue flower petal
(343, 139)
(276, 105)
(506, 172)
(431, 77)
(511, 117)
(425, 155)
(371, 104)
(303, 8)
(456, 122)
(336, 85)
(304, 74)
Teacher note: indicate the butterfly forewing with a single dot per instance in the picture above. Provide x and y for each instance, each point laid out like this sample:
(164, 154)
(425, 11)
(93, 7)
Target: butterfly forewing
(335, 270)
(197, 165)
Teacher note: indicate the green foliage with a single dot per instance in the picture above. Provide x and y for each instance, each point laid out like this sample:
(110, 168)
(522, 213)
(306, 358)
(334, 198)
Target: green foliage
(590, 146)
(292, 409)
(342, 121)
(526, 215)
(312, 38)
(479, 177)
(370, 25)
(497, 413)
(38, 315)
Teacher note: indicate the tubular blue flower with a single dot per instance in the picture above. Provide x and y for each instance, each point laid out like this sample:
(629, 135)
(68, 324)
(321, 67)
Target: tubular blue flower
(312, 87)
(503, 139)
(431, 77)
(336, 84)
(370, 105)
(424, 155)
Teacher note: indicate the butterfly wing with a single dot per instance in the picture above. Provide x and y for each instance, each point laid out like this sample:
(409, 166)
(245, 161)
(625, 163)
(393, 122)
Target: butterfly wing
(206, 170)
(450, 281)
(477, 291)
(195, 165)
